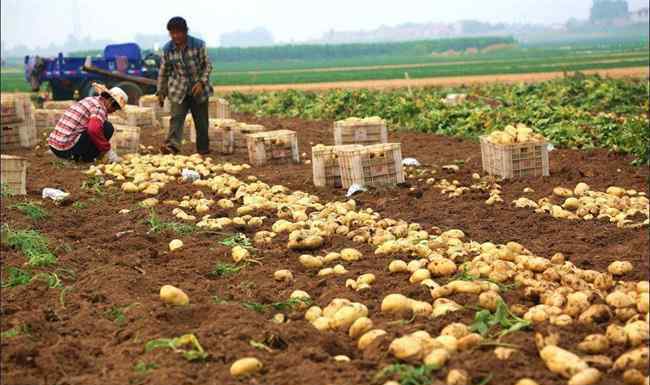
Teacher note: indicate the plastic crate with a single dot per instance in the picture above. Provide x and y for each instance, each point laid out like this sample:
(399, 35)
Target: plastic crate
(14, 173)
(143, 117)
(275, 147)
(325, 164)
(360, 132)
(221, 133)
(374, 165)
(125, 139)
(218, 108)
(515, 160)
(243, 129)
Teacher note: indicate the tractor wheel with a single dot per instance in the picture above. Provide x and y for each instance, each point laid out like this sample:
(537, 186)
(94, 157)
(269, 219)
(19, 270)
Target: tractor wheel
(132, 90)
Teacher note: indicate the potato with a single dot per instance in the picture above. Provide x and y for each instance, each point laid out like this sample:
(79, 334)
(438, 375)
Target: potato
(321, 323)
(421, 309)
(465, 287)
(437, 358)
(368, 337)
(633, 359)
(504, 354)
(175, 244)
(312, 313)
(586, 377)
(359, 327)
(419, 276)
(595, 314)
(130, 187)
(571, 204)
(442, 267)
(239, 254)
(397, 266)
(334, 306)
(616, 191)
(562, 362)
(616, 334)
(350, 255)
(620, 267)
(331, 257)
(448, 342)
(245, 366)
(174, 296)
(457, 377)
(442, 306)
(577, 303)
(345, 316)
(456, 329)
(469, 341)
(406, 348)
(526, 381)
(594, 344)
(368, 278)
(633, 377)
(395, 303)
(310, 262)
(562, 192)
(637, 332)
(283, 275)
(618, 299)
(642, 304)
(489, 300)
(580, 189)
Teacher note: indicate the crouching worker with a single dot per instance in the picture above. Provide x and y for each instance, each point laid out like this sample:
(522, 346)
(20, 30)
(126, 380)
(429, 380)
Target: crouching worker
(83, 132)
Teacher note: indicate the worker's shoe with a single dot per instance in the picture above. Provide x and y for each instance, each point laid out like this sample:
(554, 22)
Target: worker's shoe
(204, 152)
(167, 149)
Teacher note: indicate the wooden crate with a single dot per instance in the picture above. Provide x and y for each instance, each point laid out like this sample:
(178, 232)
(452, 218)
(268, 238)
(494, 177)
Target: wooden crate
(151, 101)
(14, 173)
(515, 160)
(218, 108)
(58, 104)
(275, 147)
(374, 165)
(45, 120)
(360, 131)
(244, 129)
(125, 139)
(221, 133)
(24, 111)
(325, 164)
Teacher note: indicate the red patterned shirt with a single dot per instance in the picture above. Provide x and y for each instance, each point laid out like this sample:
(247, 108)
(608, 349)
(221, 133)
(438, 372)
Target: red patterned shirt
(75, 121)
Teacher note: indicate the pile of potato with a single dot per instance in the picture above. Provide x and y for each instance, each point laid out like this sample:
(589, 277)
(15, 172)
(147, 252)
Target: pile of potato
(515, 135)
(616, 205)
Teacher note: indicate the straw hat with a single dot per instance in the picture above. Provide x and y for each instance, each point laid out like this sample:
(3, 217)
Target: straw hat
(116, 93)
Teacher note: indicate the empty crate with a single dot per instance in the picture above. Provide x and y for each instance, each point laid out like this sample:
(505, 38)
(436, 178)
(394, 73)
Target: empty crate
(13, 174)
(360, 131)
(279, 146)
(218, 108)
(374, 165)
(221, 133)
(325, 164)
(125, 139)
(515, 160)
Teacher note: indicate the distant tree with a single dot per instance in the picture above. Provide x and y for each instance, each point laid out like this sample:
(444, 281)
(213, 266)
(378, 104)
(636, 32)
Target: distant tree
(258, 37)
(608, 10)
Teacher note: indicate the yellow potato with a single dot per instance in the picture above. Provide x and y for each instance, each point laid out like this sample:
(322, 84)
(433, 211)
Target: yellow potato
(633, 359)
(437, 358)
(175, 244)
(239, 254)
(457, 377)
(594, 344)
(245, 366)
(283, 275)
(368, 337)
(395, 303)
(312, 313)
(562, 362)
(173, 296)
(586, 377)
(359, 327)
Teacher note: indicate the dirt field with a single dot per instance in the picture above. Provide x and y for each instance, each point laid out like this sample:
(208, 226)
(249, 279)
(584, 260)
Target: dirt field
(72, 340)
(440, 81)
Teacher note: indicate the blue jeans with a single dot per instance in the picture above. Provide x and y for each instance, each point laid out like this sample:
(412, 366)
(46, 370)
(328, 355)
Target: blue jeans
(84, 150)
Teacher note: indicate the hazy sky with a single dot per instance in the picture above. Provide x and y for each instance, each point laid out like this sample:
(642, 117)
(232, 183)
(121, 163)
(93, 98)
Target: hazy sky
(39, 23)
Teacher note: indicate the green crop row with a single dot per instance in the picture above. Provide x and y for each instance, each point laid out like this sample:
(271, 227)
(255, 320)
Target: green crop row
(574, 112)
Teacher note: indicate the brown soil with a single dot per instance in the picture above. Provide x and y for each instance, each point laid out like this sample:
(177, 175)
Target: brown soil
(428, 82)
(73, 340)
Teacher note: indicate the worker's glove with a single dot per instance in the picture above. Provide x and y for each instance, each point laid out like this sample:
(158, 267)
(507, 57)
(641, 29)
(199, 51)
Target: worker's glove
(113, 157)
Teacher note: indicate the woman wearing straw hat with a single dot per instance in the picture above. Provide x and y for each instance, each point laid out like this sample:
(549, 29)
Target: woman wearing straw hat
(83, 132)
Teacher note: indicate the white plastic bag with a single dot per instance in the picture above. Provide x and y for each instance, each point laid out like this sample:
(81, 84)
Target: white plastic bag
(54, 194)
(190, 175)
(410, 162)
(355, 188)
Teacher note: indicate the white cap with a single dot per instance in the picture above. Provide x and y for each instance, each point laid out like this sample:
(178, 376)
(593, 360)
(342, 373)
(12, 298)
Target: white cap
(116, 93)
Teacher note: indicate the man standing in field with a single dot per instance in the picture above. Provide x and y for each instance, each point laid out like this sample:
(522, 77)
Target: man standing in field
(185, 79)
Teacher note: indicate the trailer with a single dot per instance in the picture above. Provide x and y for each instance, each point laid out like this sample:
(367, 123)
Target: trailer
(121, 65)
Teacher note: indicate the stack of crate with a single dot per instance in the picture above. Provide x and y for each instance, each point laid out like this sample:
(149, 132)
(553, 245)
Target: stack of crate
(143, 117)
(18, 129)
(360, 131)
(45, 120)
(374, 165)
(218, 108)
(58, 104)
(221, 133)
(151, 101)
(276, 147)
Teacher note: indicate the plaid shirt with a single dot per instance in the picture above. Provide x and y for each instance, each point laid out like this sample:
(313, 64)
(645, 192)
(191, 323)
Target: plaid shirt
(74, 122)
(181, 69)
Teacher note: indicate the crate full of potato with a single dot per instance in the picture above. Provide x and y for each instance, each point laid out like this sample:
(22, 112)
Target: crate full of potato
(221, 133)
(374, 165)
(218, 108)
(151, 101)
(276, 147)
(58, 104)
(125, 139)
(325, 164)
(143, 117)
(517, 151)
(244, 129)
(13, 173)
(364, 131)
(17, 120)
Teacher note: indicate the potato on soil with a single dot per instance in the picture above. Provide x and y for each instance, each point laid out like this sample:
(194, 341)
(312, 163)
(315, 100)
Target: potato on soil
(368, 337)
(562, 362)
(245, 366)
(174, 296)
